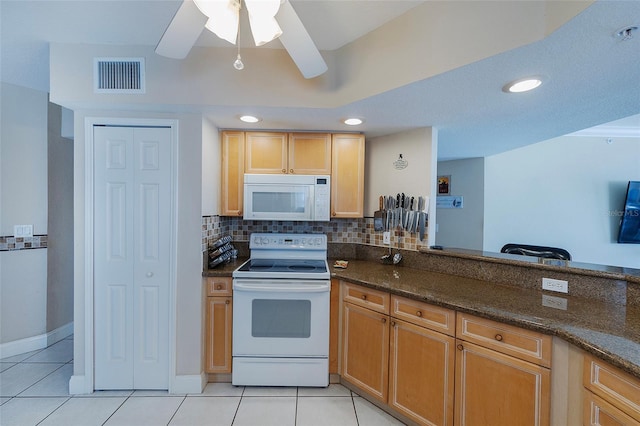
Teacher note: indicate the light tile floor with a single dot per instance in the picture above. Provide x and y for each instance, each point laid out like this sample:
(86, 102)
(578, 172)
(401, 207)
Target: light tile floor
(34, 390)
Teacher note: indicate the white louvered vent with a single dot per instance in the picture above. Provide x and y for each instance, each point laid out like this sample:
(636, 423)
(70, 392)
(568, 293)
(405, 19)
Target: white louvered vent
(118, 75)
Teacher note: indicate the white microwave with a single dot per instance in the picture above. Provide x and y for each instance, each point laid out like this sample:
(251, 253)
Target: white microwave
(286, 197)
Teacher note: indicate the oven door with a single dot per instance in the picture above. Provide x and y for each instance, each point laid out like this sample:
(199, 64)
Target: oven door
(281, 318)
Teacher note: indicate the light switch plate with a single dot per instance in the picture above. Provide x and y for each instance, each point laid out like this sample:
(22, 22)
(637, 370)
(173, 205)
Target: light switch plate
(386, 237)
(23, 231)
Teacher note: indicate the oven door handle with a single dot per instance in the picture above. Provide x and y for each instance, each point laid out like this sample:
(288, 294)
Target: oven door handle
(279, 288)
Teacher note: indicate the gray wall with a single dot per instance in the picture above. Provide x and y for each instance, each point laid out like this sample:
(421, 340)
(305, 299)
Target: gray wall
(60, 224)
(463, 228)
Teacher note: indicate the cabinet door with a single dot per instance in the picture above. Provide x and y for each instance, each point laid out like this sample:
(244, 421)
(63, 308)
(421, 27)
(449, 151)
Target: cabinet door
(347, 175)
(365, 350)
(310, 153)
(218, 335)
(499, 390)
(421, 373)
(232, 180)
(266, 152)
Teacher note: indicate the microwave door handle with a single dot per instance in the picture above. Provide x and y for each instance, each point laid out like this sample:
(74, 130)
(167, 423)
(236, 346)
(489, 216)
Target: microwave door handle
(275, 288)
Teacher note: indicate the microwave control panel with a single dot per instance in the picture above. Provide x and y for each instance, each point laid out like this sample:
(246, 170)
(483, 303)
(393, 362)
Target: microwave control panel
(322, 198)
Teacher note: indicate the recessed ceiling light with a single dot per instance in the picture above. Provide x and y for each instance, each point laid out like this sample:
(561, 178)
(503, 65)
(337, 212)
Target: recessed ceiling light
(522, 85)
(250, 119)
(352, 121)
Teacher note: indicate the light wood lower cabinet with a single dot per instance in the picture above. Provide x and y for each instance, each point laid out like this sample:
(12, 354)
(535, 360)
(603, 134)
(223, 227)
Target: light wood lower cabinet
(611, 396)
(365, 349)
(494, 387)
(218, 331)
(421, 373)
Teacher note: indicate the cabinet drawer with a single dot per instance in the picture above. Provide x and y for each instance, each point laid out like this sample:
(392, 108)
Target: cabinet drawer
(423, 314)
(598, 412)
(521, 343)
(367, 297)
(219, 286)
(615, 386)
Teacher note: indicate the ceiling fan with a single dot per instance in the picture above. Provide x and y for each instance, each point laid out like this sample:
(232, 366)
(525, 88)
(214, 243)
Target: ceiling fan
(187, 24)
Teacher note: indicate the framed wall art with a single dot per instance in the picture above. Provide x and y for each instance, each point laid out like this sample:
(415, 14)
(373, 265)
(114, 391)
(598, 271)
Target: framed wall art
(444, 185)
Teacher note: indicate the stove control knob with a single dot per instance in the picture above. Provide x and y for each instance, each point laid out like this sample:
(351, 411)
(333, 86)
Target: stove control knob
(318, 241)
(303, 241)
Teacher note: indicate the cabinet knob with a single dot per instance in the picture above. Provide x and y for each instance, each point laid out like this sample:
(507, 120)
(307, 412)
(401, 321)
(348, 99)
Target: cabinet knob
(419, 313)
(219, 287)
(291, 171)
(333, 213)
(226, 302)
(239, 213)
(284, 170)
(393, 323)
(364, 297)
(499, 337)
(460, 347)
(384, 320)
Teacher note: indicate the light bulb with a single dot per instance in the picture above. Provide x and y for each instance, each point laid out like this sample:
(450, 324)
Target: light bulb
(238, 63)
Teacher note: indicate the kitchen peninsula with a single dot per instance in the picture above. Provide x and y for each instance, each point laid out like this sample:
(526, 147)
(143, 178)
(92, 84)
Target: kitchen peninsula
(599, 318)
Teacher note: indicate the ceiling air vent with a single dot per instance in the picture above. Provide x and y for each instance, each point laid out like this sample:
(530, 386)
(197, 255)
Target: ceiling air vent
(118, 75)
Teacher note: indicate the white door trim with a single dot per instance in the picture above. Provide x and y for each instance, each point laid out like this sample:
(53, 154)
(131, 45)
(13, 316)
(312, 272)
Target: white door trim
(90, 122)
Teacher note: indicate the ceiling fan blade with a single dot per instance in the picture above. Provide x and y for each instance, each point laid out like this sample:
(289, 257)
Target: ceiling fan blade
(298, 43)
(182, 32)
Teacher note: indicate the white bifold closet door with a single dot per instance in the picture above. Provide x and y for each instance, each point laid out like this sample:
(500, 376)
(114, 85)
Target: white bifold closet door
(132, 226)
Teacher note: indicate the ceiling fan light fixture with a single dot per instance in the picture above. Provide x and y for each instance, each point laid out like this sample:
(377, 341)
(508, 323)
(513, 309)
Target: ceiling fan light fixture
(264, 26)
(224, 17)
(250, 119)
(522, 85)
(352, 121)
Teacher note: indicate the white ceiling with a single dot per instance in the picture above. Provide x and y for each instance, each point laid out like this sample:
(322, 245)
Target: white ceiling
(591, 76)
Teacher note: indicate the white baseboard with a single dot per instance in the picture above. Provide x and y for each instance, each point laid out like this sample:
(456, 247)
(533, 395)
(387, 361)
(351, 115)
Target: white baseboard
(34, 343)
(78, 386)
(193, 383)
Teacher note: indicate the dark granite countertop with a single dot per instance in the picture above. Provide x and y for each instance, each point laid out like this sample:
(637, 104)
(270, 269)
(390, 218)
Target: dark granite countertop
(609, 330)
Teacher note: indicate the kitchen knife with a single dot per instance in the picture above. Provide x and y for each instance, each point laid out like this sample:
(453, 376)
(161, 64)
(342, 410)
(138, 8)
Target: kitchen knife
(377, 215)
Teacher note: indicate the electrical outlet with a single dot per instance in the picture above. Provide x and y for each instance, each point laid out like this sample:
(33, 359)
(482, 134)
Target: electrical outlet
(551, 284)
(554, 302)
(386, 237)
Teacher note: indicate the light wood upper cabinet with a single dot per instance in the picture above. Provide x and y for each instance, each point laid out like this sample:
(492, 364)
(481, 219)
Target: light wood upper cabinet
(501, 378)
(232, 179)
(309, 153)
(266, 153)
(347, 175)
(292, 153)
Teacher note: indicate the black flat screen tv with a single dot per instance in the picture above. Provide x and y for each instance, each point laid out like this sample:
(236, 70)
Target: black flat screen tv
(630, 223)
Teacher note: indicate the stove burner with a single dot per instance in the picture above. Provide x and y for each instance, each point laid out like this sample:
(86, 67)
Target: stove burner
(302, 268)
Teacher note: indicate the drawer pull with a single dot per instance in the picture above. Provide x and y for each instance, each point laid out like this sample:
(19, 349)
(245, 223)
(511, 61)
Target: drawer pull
(499, 337)
(364, 297)
(419, 314)
(284, 170)
(460, 347)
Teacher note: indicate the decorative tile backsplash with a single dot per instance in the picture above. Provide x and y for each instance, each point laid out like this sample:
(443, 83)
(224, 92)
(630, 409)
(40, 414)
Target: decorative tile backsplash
(359, 231)
(12, 243)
